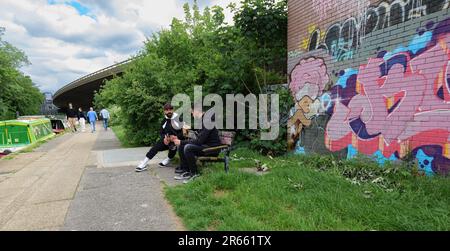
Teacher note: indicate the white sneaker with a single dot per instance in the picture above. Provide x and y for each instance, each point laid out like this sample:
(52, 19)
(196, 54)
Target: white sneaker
(183, 176)
(165, 162)
(141, 168)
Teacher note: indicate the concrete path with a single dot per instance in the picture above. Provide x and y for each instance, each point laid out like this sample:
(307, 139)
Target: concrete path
(84, 181)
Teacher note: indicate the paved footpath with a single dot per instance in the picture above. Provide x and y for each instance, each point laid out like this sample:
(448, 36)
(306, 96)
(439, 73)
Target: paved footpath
(84, 181)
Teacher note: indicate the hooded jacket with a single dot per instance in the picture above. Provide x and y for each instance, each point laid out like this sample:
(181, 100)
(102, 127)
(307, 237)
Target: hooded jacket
(205, 137)
(172, 126)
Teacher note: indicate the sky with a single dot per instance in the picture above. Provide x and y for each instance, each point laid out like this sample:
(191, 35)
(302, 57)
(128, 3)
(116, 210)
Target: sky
(67, 39)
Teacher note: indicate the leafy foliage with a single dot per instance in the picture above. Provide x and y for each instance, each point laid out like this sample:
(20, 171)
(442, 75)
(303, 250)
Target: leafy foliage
(13, 82)
(200, 50)
(252, 138)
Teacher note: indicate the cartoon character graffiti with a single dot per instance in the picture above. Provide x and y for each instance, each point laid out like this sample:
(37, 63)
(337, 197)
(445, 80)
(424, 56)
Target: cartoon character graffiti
(308, 80)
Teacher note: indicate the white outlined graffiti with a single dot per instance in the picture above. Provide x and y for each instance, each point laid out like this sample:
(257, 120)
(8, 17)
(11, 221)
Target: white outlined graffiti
(343, 38)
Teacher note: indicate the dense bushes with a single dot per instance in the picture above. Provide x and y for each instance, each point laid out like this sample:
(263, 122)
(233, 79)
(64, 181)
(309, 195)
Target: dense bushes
(201, 50)
(251, 138)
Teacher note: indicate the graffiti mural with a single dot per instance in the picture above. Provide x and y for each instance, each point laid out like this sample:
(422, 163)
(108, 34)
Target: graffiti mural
(308, 81)
(343, 38)
(324, 8)
(396, 103)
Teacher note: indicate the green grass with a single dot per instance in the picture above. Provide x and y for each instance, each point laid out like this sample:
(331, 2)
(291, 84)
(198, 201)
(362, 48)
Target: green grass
(120, 133)
(312, 193)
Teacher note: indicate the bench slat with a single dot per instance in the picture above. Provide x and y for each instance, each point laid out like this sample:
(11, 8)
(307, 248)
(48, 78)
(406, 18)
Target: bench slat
(215, 148)
(226, 138)
(210, 159)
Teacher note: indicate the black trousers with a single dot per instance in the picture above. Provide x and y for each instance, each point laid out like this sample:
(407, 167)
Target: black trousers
(188, 154)
(159, 147)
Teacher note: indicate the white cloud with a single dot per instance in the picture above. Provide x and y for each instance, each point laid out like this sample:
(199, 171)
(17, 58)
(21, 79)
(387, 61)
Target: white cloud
(63, 44)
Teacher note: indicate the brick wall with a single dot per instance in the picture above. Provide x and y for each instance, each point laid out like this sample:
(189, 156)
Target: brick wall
(371, 77)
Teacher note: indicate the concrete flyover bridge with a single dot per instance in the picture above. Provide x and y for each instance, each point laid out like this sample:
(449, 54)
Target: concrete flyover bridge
(81, 91)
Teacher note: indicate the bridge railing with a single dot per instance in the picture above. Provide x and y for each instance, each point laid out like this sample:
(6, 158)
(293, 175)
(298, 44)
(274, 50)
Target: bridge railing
(79, 81)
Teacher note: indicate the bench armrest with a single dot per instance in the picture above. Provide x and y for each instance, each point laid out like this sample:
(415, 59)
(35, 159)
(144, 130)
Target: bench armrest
(215, 148)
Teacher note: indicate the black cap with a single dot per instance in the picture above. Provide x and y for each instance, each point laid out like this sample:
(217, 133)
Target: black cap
(168, 106)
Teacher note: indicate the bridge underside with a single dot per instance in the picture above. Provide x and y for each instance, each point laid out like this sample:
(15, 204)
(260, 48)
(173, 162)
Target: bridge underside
(82, 96)
(81, 91)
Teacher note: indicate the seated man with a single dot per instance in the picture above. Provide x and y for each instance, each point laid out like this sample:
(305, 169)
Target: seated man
(169, 128)
(192, 148)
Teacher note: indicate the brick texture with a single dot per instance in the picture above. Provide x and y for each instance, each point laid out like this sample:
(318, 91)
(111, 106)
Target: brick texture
(371, 77)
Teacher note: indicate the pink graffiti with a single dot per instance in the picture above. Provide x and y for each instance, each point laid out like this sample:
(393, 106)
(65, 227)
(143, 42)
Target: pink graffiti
(311, 72)
(401, 106)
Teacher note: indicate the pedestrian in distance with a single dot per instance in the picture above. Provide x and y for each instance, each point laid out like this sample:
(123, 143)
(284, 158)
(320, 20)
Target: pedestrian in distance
(105, 116)
(92, 115)
(72, 116)
(82, 119)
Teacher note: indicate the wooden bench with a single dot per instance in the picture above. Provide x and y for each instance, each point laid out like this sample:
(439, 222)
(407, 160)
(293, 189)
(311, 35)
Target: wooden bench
(212, 153)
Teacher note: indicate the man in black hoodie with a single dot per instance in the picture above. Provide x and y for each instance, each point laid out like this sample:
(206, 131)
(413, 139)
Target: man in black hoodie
(72, 117)
(170, 127)
(190, 149)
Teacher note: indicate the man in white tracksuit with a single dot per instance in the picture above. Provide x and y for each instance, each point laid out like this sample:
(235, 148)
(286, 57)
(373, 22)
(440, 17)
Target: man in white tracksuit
(169, 127)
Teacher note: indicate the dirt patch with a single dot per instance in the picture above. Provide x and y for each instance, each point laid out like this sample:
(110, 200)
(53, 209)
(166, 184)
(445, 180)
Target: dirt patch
(220, 194)
(289, 208)
(213, 226)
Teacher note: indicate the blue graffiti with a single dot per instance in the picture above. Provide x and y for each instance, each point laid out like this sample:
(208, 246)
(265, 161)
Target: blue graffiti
(418, 43)
(340, 51)
(351, 152)
(299, 149)
(425, 162)
(377, 156)
(345, 75)
(389, 55)
(325, 101)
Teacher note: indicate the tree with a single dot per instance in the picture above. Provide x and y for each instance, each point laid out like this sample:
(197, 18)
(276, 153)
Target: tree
(200, 50)
(17, 92)
(264, 22)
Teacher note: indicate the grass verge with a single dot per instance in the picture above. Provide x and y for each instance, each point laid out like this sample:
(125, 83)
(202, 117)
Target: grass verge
(120, 133)
(312, 193)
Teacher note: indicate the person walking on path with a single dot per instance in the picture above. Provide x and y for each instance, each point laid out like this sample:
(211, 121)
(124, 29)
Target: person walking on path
(92, 115)
(82, 119)
(105, 115)
(72, 116)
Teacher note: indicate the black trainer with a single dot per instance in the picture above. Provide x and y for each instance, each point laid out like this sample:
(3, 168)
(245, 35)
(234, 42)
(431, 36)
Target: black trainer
(180, 170)
(183, 176)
